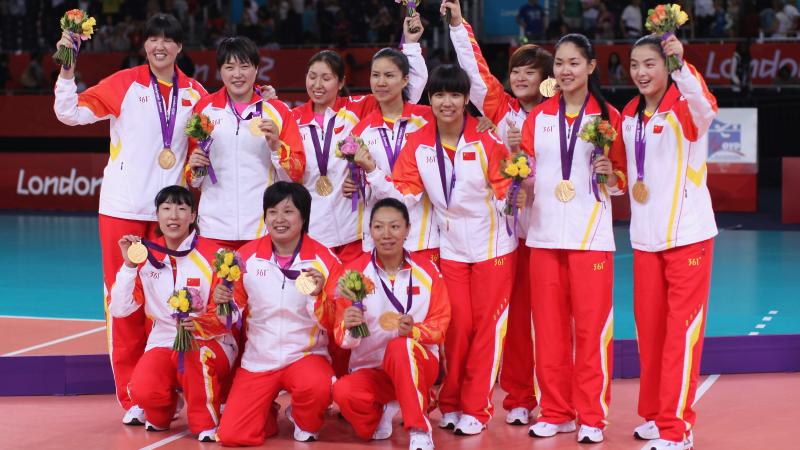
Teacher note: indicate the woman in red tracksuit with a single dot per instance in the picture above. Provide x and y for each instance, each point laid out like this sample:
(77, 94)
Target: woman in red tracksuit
(458, 168)
(572, 245)
(529, 65)
(179, 259)
(407, 315)
(665, 131)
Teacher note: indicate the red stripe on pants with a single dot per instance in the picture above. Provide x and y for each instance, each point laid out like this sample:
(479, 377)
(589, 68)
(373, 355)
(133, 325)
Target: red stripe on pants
(670, 303)
(128, 334)
(249, 418)
(156, 377)
(479, 294)
(516, 375)
(362, 394)
(573, 287)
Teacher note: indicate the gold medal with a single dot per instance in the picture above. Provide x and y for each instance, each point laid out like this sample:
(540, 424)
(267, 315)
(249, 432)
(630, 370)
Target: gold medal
(305, 284)
(548, 87)
(324, 186)
(137, 253)
(640, 192)
(565, 191)
(255, 123)
(389, 321)
(166, 159)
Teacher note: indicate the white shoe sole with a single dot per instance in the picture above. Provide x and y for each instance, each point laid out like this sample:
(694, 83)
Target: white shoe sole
(561, 429)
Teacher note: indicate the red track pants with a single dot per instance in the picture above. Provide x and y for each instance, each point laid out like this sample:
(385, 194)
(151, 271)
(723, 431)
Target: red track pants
(249, 418)
(670, 303)
(408, 372)
(156, 377)
(572, 315)
(127, 336)
(479, 295)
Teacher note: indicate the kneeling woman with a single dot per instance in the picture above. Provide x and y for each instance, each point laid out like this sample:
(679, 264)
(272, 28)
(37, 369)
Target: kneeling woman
(407, 316)
(178, 259)
(286, 345)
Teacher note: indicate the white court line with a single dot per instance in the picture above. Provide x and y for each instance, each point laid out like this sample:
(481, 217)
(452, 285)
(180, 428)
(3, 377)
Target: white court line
(52, 318)
(55, 341)
(166, 440)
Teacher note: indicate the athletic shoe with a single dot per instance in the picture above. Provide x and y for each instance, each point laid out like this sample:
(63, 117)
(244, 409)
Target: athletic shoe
(662, 444)
(449, 420)
(420, 440)
(134, 416)
(208, 435)
(544, 429)
(150, 427)
(518, 416)
(688, 443)
(469, 426)
(179, 406)
(646, 431)
(300, 435)
(384, 430)
(590, 435)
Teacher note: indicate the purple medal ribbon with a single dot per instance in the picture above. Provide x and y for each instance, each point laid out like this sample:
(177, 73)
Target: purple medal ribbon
(159, 248)
(440, 156)
(568, 152)
(167, 124)
(288, 273)
(239, 117)
(398, 143)
(393, 298)
(640, 146)
(323, 152)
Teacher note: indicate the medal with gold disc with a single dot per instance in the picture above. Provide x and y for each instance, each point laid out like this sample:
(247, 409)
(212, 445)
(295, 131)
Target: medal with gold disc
(389, 321)
(166, 158)
(305, 283)
(255, 126)
(565, 190)
(548, 87)
(324, 187)
(137, 253)
(639, 190)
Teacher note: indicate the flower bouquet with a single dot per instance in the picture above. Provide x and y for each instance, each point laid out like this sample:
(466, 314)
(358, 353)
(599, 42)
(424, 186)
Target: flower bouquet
(184, 302)
(347, 150)
(199, 127)
(663, 20)
(80, 27)
(355, 286)
(228, 267)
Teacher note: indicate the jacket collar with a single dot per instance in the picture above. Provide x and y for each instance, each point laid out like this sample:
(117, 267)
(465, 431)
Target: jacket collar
(307, 248)
(143, 77)
(219, 99)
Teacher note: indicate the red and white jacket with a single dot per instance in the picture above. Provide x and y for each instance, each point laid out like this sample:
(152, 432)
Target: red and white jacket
(424, 233)
(582, 223)
(490, 97)
(333, 222)
(151, 287)
(245, 166)
(430, 308)
(283, 325)
(678, 211)
(132, 177)
(473, 227)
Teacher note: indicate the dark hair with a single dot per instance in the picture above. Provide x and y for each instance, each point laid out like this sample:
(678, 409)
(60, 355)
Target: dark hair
(177, 195)
(585, 46)
(334, 61)
(448, 78)
(654, 42)
(299, 195)
(390, 203)
(238, 48)
(534, 56)
(164, 25)
(399, 59)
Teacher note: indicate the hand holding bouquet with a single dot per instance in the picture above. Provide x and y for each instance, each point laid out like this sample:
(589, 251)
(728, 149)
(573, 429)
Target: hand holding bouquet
(200, 127)
(517, 167)
(347, 150)
(355, 286)
(663, 20)
(184, 302)
(79, 27)
(227, 266)
(601, 134)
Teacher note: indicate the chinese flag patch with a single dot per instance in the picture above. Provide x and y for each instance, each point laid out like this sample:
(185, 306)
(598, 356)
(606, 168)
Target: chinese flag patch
(657, 129)
(185, 102)
(414, 290)
(469, 156)
(193, 282)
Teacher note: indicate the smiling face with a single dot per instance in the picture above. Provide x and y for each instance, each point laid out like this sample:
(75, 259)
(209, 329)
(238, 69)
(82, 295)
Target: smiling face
(389, 230)
(524, 81)
(571, 68)
(387, 80)
(322, 84)
(161, 52)
(284, 221)
(448, 107)
(238, 78)
(175, 220)
(648, 70)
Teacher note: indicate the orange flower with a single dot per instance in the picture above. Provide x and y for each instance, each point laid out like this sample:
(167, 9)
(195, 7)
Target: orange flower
(661, 12)
(369, 286)
(75, 15)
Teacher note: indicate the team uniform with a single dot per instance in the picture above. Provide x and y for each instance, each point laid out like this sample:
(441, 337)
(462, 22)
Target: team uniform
(157, 375)
(489, 96)
(571, 256)
(286, 345)
(230, 210)
(477, 257)
(131, 179)
(672, 238)
(385, 140)
(385, 367)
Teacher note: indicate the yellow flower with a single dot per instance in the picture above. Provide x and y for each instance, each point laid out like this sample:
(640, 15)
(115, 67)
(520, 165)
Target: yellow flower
(235, 273)
(173, 302)
(512, 170)
(181, 294)
(682, 18)
(223, 271)
(88, 26)
(228, 260)
(676, 8)
(521, 165)
(524, 172)
(522, 161)
(183, 304)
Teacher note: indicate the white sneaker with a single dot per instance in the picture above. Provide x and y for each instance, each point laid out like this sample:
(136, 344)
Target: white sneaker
(646, 431)
(300, 435)
(544, 429)
(518, 416)
(134, 416)
(449, 420)
(688, 443)
(384, 430)
(468, 425)
(420, 440)
(590, 435)
(661, 444)
(179, 406)
(208, 435)
(150, 427)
